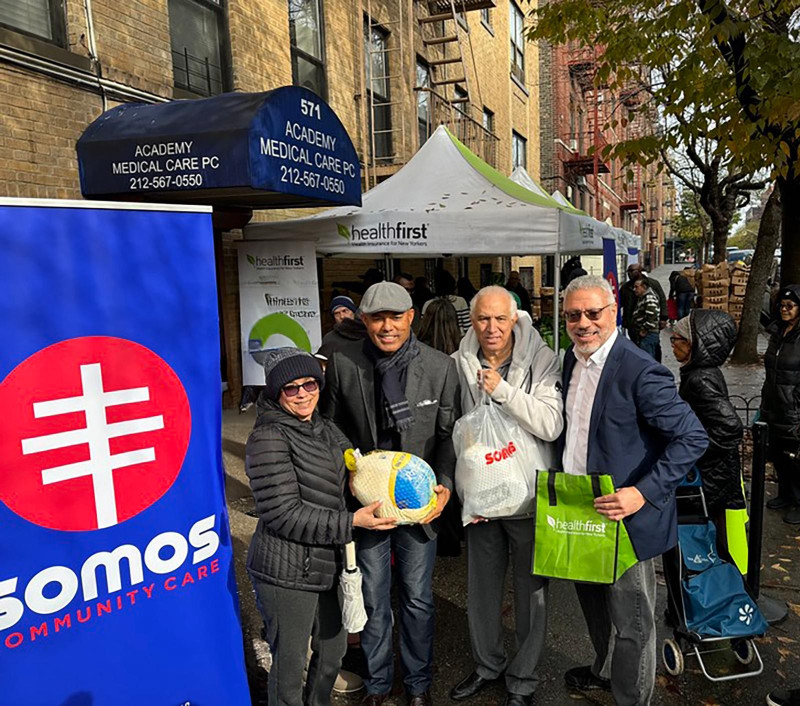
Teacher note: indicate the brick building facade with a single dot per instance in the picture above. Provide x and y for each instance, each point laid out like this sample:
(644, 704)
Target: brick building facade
(64, 62)
(578, 119)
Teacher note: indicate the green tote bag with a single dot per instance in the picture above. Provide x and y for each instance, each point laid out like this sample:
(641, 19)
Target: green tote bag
(571, 539)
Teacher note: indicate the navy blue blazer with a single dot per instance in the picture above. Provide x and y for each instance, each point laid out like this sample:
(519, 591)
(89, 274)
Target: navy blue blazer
(644, 435)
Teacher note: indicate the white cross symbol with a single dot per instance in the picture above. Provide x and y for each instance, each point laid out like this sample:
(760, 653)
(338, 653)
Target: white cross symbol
(101, 465)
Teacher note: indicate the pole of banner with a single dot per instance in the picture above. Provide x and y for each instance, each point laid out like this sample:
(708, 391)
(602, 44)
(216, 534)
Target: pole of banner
(557, 286)
(774, 611)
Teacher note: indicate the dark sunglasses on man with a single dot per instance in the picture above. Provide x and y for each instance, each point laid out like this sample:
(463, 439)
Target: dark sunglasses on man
(574, 315)
(292, 390)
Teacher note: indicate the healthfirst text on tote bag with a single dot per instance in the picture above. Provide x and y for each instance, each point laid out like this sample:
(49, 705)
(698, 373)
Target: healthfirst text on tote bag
(571, 539)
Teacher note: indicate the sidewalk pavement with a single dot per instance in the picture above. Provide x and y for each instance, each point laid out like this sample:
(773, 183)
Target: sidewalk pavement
(567, 642)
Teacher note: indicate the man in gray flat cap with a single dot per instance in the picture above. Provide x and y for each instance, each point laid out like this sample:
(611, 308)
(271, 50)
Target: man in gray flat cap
(393, 392)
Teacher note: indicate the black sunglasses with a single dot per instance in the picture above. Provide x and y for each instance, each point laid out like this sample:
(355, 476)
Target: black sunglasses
(308, 386)
(592, 314)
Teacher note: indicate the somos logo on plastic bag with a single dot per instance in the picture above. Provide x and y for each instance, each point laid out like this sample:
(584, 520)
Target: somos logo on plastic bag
(501, 454)
(95, 431)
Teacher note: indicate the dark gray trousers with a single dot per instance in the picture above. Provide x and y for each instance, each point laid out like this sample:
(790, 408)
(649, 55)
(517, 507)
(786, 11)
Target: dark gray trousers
(488, 545)
(291, 617)
(628, 607)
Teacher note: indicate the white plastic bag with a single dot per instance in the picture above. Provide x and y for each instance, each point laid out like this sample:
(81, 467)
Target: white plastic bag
(496, 463)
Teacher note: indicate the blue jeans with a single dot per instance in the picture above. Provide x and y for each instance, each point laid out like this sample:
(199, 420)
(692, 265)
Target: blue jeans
(414, 556)
(684, 302)
(650, 343)
(626, 608)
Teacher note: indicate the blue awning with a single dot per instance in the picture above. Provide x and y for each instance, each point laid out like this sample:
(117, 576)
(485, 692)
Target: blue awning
(283, 148)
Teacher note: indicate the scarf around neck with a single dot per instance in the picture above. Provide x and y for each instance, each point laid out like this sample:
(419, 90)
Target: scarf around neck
(392, 372)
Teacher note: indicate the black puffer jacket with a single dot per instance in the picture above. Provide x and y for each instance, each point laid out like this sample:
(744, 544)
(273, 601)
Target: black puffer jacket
(297, 476)
(780, 396)
(704, 389)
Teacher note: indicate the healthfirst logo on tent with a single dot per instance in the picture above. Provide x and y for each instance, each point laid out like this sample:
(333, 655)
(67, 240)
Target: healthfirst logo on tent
(385, 233)
(577, 527)
(95, 432)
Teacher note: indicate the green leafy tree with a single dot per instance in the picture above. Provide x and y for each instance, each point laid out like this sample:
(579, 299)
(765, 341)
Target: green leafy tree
(691, 224)
(727, 74)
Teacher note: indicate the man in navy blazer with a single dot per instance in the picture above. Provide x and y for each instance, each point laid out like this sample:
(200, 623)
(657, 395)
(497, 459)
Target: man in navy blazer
(624, 418)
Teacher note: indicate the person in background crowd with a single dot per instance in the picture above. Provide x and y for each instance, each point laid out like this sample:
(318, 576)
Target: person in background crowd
(422, 293)
(368, 278)
(465, 289)
(445, 287)
(682, 291)
(395, 393)
(623, 417)
(294, 559)
(406, 281)
(701, 343)
(780, 402)
(505, 356)
(342, 308)
(440, 326)
(440, 331)
(576, 270)
(346, 330)
(627, 298)
(645, 323)
(514, 285)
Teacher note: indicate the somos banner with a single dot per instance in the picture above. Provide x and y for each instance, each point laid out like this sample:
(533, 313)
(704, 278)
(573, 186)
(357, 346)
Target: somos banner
(279, 301)
(116, 574)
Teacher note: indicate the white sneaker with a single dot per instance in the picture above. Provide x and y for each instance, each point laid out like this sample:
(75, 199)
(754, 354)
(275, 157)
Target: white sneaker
(347, 682)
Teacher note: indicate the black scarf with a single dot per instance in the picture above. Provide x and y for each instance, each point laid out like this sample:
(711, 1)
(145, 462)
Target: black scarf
(396, 414)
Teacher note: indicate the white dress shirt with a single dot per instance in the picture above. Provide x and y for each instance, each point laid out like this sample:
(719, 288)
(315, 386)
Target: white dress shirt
(580, 400)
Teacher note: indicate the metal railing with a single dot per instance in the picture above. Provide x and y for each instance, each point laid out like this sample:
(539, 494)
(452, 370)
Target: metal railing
(196, 74)
(458, 119)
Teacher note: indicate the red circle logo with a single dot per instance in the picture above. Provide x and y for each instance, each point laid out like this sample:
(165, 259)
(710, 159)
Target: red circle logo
(94, 431)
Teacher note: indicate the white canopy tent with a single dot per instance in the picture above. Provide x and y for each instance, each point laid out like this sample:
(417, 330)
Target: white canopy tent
(446, 200)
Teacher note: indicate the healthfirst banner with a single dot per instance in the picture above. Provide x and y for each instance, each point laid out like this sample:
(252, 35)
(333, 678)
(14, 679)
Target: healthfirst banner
(116, 576)
(278, 300)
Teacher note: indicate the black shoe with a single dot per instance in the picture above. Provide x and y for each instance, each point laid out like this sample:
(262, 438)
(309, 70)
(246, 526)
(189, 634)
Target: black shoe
(782, 697)
(792, 517)
(778, 503)
(582, 679)
(423, 699)
(467, 688)
(518, 699)
(374, 699)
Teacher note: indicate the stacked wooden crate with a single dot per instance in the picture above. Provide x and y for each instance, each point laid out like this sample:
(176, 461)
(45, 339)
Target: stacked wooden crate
(713, 283)
(739, 276)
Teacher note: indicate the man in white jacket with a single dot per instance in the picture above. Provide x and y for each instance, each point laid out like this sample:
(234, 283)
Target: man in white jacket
(503, 354)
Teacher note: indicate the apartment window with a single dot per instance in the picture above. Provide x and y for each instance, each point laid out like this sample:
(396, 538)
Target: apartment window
(376, 59)
(519, 151)
(196, 31)
(423, 101)
(486, 18)
(517, 29)
(40, 18)
(488, 120)
(307, 41)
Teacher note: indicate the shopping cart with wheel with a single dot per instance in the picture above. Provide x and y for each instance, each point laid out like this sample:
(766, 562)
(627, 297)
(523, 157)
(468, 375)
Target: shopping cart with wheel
(708, 605)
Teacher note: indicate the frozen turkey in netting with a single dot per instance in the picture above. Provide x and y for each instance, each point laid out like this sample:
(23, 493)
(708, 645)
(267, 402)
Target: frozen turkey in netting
(404, 483)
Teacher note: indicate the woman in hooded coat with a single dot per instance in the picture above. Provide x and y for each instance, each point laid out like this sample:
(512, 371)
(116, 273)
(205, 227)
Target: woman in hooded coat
(780, 402)
(702, 342)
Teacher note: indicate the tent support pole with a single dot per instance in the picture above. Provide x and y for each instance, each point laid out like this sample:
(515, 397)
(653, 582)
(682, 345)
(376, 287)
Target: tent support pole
(556, 312)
